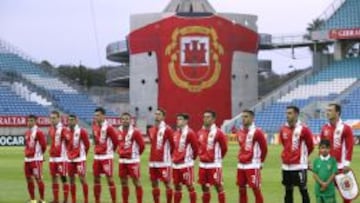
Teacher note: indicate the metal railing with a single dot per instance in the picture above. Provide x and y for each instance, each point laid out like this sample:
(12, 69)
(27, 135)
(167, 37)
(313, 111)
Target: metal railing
(116, 47)
(6, 47)
(331, 9)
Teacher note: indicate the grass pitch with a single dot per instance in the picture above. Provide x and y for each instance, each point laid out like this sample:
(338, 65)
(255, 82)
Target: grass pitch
(13, 186)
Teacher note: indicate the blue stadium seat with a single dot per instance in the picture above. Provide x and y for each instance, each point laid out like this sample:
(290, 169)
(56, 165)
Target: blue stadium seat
(65, 97)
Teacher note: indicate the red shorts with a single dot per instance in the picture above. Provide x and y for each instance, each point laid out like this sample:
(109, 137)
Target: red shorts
(183, 175)
(77, 168)
(251, 177)
(33, 168)
(163, 174)
(210, 176)
(103, 167)
(132, 170)
(58, 168)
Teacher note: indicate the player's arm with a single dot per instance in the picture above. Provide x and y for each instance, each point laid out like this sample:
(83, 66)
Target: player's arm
(334, 172)
(170, 137)
(322, 134)
(85, 139)
(281, 137)
(113, 134)
(349, 145)
(66, 135)
(263, 144)
(140, 141)
(194, 144)
(309, 141)
(223, 143)
(315, 175)
(42, 141)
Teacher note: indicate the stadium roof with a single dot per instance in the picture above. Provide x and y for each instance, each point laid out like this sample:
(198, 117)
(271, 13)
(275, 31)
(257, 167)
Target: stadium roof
(189, 6)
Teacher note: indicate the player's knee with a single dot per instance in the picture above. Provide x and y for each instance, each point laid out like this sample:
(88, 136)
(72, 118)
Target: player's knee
(63, 179)
(242, 188)
(38, 179)
(205, 188)
(137, 182)
(123, 182)
(97, 179)
(154, 184)
(110, 180)
(82, 180)
(167, 185)
(190, 188)
(29, 179)
(219, 188)
(178, 187)
(72, 180)
(289, 188)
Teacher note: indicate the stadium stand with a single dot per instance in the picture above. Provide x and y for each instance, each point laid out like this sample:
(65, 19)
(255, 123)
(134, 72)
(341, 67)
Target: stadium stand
(63, 96)
(347, 11)
(325, 85)
(12, 104)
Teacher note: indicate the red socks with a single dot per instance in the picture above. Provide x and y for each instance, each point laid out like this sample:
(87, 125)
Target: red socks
(41, 189)
(177, 196)
(66, 191)
(112, 189)
(97, 192)
(55, 190)
(243, 195)
(73, 193)
(139, 194)
(206, 197)
(156, 195)
(31, 189)
(258, 195)
(125, 194)
(169, 195)
(192, 194)
(86, 192)
(221, 197)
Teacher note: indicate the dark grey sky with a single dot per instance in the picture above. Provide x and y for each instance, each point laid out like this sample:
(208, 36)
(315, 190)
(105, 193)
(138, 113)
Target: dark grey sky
(62, 31)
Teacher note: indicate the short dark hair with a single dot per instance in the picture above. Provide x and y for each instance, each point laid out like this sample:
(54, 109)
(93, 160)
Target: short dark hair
(72, 116)
(213, 114)
(249, 112)
(101, 110)
(295, 108)
(57, 113)
(162, 111)
(337, 107)
(324, 142)
(185, 116)
(32, 116)
(126, 114)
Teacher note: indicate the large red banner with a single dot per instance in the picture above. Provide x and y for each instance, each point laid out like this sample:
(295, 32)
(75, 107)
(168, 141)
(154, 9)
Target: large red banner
(351, 33)
(194, 58)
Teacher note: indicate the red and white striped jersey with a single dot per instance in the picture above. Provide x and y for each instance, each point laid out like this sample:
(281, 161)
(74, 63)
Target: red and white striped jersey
(162, 145)
(212, 147)
(341, 142)
(35, 144)
(131, 145)
(297, 145)
(185, 148)
(79, 144)
(58, 136)
(105, 137)
(253, 147)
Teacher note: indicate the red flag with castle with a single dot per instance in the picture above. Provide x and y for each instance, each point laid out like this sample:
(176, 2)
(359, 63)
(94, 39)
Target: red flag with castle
(194, 57)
